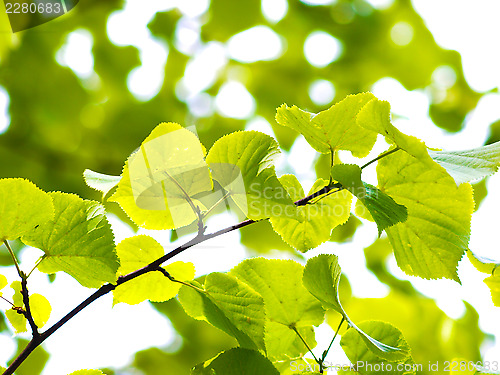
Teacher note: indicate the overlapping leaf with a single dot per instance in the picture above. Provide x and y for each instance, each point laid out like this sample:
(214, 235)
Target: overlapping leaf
(78, 241)
(39, 306)
(321, 277)
(241, 163)
(491, 267)
(333, 129)
(469, 165)
(137, 252)
(433, 239)
(375, 116)
(382, 208)
(236, 361)
(23, 207)
(230, 305)
(366, 361)
(288, 304)
(100, 182)
(161, 181)
(313, 223)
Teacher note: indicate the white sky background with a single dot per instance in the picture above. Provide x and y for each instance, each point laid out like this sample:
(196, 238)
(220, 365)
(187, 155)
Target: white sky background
(104, 333)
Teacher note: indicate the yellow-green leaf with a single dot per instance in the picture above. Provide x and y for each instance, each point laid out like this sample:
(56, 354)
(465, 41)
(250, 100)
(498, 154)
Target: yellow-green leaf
(78, 241)
(23, 206)
(435, 236)
(313, 223)
(137, 252)
(333, 129)
(241, 163)
(161, 180)
(40, 309)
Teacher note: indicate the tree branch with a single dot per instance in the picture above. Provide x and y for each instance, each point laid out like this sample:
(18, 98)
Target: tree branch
(105, 289)
(27, 312)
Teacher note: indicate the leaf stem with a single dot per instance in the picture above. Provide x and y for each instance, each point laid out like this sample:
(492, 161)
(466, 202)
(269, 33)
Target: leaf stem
(325, 353)
(307, 346)
(19, 272)
(383, 155)
(6, 300)
(171, 278)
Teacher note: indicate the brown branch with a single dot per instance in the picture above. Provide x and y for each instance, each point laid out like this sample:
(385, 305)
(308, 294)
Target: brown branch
(27, 311)
(105, 289)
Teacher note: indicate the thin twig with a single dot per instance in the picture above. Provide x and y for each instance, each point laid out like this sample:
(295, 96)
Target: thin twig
(19, 272)
(27, 313)
(325, 353)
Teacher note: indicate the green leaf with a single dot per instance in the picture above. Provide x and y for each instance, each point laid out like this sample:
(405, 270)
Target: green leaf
(313, 223)
(279, 282)
(333, 129)
(100, 182)
(493, 283)
(239, 361)
(241, 163)
(321, 278)
(39, 305)
(40, 309)
(17, 320)
(482, 264)
(137, 252)
(433, 239)
(24, 206)
(3, 282)
(78, 241)
(230, 305)
(288, 304)
(375, 116)
(469, 165)
(87, 372)
(162, 180)
(383, 209)
(362, 356)
(349, 175)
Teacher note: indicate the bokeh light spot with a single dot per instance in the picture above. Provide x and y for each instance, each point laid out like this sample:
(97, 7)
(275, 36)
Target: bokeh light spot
(321, 49)
(76, 53)
(255, 44)
(233, 100)
(402, 33)
(321, 92)
(274, 10)
(444, 77)
(4, 110)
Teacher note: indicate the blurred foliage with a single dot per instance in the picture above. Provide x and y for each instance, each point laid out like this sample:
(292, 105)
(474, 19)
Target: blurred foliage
(61, 124)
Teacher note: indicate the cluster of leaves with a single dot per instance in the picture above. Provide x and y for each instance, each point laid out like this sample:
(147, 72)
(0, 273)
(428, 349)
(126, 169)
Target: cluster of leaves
(423, 202)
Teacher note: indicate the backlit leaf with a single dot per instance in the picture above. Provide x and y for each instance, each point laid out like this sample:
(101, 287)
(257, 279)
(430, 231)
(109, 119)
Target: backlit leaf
(100, 182)
(369, 362)
(40, 309)
(382, 208)
(313, 223)
(23, 207)
(435, 236)
(87, 372)
(229, 305)
(333, 129)
(241, 163)
(78, 241)
(236, 361)
(469, 165)
(321, 278)
(137, 252)
(160, 181)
